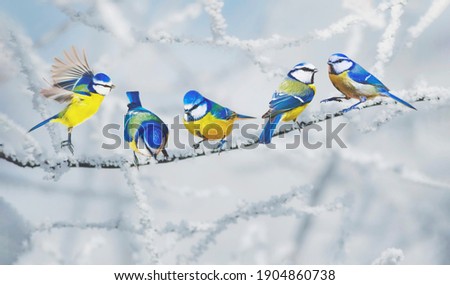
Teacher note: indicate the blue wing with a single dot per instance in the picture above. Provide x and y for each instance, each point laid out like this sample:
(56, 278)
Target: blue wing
(221, 112)
(154, 134)
(126, 134)
(362, 76)
(283, 103)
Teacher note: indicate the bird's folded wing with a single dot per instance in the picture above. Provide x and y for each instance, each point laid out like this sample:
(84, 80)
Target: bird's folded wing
(221, 112)
(362, 76)
(285, 103)
(69, 76)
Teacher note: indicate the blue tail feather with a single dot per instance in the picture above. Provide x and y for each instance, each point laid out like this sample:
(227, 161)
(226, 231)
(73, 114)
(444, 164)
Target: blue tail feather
(400, 100)
(133, 96)
(266, 136)
(43, 123)
(240, 116)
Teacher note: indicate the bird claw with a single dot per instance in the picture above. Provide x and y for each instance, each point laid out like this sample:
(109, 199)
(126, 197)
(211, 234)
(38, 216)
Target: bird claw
(68, 144)
(300, 125)
(196, 145)
(220, 146)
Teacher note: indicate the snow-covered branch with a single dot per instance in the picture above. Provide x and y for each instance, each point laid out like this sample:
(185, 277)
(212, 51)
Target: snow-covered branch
(118, 162)
(274, 207)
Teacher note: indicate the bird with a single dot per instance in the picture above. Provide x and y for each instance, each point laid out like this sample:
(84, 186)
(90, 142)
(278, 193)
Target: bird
(355, 82)
(207, 119)
(74, 81)
(294, 94)
(144, 128)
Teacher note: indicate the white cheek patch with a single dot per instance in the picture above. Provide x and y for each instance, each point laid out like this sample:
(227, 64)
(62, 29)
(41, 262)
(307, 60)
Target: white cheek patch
(342, 66)
(102, 90)
(199, 112)
(302, 76)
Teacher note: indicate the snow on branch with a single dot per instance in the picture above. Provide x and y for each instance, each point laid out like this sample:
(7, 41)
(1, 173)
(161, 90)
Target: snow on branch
(390, 256)
(435, 10)
(385, 47)
(218, 22)
(417, 95)
(29, 63)
(380, 163)
(274, 207)
(145, 220)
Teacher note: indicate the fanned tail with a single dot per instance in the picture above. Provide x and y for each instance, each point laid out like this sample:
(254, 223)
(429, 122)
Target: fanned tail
(266, 136)
(400, 100)
(43, 123)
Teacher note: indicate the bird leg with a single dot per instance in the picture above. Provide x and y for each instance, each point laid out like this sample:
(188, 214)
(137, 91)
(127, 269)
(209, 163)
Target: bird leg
(197, 145)
(220, 145)
(166, 155)
(338, 99)
(300, 125)
(361, 100)
(68, 142)
(136, 160)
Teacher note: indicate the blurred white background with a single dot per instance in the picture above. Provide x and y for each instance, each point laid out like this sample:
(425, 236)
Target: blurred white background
(388, 192)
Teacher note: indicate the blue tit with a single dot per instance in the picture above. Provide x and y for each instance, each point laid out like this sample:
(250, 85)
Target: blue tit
(294, 94)
(208, 120)
(355, 82)
(75, 82)
(144, 128)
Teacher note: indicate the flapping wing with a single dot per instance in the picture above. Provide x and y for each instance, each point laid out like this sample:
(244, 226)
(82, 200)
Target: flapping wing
(68, 76)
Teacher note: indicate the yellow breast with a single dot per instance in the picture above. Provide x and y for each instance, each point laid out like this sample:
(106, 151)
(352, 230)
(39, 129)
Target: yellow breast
(293, 114)
(210, 127)
(350, 88)
(80, 109)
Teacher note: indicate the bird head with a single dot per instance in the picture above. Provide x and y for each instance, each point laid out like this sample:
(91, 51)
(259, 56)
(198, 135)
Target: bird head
(195, 106)
(101, 83)
(338, 63)
(303, 72)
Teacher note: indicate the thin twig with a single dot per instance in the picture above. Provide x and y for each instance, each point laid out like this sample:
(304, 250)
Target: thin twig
(118, 163)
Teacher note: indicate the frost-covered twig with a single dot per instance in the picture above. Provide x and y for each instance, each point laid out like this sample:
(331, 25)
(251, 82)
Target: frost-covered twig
(145, 219)
(435, 10)
(419, 95)
(29, 64)
(273, 207)
(376, 161)
(385, 47)
(390, 256)
(106, 226)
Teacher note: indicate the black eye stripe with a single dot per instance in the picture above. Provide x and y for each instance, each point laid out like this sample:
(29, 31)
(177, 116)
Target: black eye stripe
(339, 60)
(194, 107)
(104, 85)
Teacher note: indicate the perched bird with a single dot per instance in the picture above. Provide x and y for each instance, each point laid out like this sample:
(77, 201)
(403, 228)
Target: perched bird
(294, 94)
(75, 82)
(355, 82)
(207, 119)
(143, 128)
